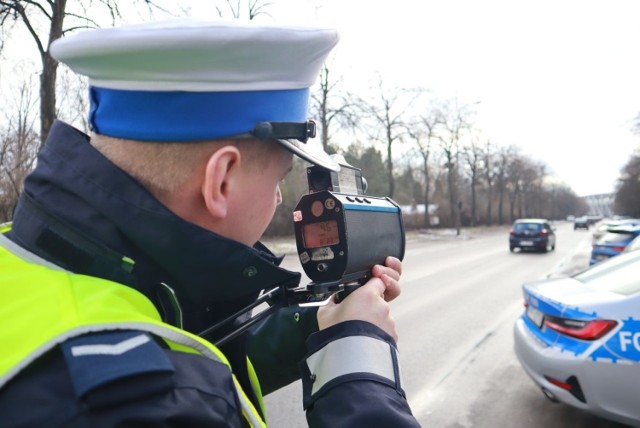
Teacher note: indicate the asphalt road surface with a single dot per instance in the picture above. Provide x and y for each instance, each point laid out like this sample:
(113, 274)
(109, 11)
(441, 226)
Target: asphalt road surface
(460, 298)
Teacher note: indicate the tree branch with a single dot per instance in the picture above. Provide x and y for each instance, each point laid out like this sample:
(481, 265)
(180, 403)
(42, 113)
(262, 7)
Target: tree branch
(25, 19)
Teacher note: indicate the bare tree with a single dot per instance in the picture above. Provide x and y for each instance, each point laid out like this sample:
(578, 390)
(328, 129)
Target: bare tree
(538, 195)
(423, 133)
(238, 8)
(73, 103)
(3, 37)
(490, 172)
(54, 13)
(528, 176)
(473, 158)
(564, 201)
(504, 157)
(524, 182)
(456, 122)
(524, 176)
(627, 197)
(388, 113)
(514, 185)
(329, 106)
(18, 149)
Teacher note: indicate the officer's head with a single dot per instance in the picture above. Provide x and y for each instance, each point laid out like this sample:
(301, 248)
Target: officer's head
(206, 115)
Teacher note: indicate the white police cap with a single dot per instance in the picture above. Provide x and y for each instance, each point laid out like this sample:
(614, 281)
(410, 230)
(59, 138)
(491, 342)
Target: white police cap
(191, 80)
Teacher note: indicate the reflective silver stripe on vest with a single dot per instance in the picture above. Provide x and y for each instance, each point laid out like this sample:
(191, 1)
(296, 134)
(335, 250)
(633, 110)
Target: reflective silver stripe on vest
(353, 354)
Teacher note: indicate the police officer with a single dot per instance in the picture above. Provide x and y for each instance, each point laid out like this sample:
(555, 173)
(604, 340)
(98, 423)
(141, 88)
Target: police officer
(127, 245)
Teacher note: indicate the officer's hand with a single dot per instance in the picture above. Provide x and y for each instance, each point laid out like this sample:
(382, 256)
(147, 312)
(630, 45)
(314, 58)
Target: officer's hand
(390, 275)
(369, 302)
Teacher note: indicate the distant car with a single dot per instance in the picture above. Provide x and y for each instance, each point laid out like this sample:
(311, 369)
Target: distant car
(604, 227)
(613, 242)
(579, 338)
(581, 223)
(532, 234)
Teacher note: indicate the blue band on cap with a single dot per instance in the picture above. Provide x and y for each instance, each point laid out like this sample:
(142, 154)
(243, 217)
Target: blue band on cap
(190, 116)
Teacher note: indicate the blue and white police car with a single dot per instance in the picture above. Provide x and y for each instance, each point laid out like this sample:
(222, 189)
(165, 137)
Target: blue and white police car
(579, 338)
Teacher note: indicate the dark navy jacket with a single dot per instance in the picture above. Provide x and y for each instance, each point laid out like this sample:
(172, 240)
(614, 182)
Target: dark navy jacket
(81, 212)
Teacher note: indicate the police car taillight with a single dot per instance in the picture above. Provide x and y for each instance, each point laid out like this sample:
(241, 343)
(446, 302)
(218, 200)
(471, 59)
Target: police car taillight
(580, 329)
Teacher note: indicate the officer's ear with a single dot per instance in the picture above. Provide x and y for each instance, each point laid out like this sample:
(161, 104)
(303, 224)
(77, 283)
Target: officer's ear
(220, 180)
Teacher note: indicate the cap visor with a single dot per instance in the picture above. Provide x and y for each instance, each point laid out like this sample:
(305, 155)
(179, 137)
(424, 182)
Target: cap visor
(310, 153)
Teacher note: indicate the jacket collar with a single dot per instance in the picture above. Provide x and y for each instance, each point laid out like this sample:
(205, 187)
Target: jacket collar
(75, 183)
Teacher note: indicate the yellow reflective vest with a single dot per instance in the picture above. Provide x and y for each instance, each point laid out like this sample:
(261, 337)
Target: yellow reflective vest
(43, 305)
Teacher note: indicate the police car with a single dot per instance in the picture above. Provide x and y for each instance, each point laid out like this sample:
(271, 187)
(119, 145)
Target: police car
(579, 338)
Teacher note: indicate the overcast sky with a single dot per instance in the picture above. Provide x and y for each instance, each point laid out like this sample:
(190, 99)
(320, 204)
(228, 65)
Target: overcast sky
(558, 78)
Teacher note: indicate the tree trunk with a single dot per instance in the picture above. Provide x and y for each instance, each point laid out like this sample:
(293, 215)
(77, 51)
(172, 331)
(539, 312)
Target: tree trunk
(49, 72)
(512, 212)
(473, 203)
(47, 97)
(454, 209)
(521, 206)
(427, 185)
(324, 122)
(390, 166)
(501, 205)
(489, 203)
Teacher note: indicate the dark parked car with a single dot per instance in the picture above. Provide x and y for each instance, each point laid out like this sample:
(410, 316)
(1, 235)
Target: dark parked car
(613, 242)
(532, 234)
(581, 223)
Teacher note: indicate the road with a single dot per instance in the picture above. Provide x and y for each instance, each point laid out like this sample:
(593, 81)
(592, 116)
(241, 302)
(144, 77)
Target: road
(460, 298)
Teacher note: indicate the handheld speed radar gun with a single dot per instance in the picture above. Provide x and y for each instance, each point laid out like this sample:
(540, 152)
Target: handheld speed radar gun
(341, 233)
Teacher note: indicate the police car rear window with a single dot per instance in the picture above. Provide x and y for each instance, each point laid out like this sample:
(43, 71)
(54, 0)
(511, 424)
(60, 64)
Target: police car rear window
(613, 237)
(618, 274)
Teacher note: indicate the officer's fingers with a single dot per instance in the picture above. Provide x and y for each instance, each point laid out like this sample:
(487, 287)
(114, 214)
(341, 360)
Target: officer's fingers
(393, 268)
(375, 286)
(376, 306)
(366, 303)
(394, 263)
(378, 270)
(390, 278)
(392, 287)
